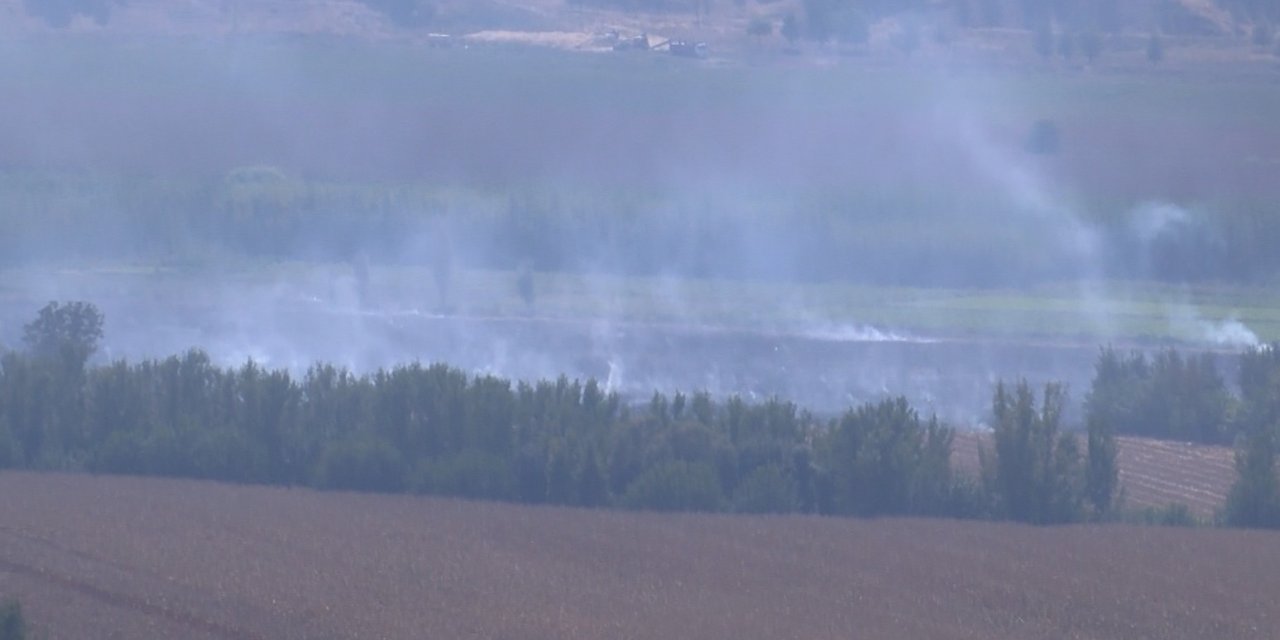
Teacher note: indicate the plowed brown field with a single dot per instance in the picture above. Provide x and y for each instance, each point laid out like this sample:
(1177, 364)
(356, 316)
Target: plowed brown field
(1153, 473)
(138, 558)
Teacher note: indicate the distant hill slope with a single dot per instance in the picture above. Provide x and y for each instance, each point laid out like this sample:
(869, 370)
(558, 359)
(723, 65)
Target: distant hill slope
(708, 18)
(130, 558)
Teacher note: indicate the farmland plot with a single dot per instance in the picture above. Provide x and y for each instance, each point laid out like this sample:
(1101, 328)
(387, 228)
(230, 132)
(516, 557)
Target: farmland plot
(1153, 473)
(139, 558)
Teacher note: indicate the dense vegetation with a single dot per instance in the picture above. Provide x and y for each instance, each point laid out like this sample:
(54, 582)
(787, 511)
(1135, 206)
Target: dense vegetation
(434, 429)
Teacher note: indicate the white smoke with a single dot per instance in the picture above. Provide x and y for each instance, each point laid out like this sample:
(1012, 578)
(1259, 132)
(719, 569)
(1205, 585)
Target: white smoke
(861, 333)
(1187, 322)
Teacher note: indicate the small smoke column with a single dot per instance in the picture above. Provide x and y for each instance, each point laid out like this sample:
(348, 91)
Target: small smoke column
(1186, 321)
(861, 333)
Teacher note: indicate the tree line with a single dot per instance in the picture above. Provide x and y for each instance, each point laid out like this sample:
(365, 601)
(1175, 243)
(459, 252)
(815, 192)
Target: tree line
(433, 429)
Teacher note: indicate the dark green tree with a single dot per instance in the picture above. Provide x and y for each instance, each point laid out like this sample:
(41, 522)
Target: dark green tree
(1102, 474)
(1168, 396)
(1259, 378)
(1114, 394)
(1036, 474)
(883, 459)
(593, 484)
(65, 333)
(1254, 499)
(561, 487)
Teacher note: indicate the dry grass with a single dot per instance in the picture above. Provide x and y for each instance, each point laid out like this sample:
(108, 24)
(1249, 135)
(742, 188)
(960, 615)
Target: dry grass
(1153, 473)
(135, 558)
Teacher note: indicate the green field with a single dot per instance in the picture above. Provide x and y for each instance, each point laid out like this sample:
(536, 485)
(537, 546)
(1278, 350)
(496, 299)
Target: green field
(1114, 312)
(649, 187)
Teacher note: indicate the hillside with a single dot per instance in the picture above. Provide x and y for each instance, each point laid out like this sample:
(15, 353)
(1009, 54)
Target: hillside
(989, 30)
(134, 558)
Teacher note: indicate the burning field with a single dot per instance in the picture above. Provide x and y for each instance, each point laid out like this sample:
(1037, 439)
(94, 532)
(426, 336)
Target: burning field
(133, 558)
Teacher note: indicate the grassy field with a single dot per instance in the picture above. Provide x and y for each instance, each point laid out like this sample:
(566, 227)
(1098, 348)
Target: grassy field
(1112, 312)
(131, 558)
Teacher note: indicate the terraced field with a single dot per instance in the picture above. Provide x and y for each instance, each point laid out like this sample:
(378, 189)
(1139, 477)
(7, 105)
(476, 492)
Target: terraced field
(1153, 473)
(111, 557)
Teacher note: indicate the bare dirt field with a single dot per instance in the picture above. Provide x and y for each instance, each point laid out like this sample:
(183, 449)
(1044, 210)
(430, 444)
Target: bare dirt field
(135, 558)
(1153, 473)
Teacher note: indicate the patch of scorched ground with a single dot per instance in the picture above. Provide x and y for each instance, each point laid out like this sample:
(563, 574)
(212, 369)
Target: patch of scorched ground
(111, 557)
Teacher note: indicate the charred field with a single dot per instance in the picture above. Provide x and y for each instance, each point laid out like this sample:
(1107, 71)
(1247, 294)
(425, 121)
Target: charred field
(825, 347)
(165, 558)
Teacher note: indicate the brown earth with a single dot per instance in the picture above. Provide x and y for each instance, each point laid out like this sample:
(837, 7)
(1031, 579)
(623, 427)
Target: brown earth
(94, 557)
(1153, 473)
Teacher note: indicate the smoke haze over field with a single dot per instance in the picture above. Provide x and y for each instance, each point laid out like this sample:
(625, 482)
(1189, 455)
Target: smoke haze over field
(293, 200)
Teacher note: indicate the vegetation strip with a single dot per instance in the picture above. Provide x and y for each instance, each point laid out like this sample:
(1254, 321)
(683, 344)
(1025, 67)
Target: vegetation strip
(434, 429)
